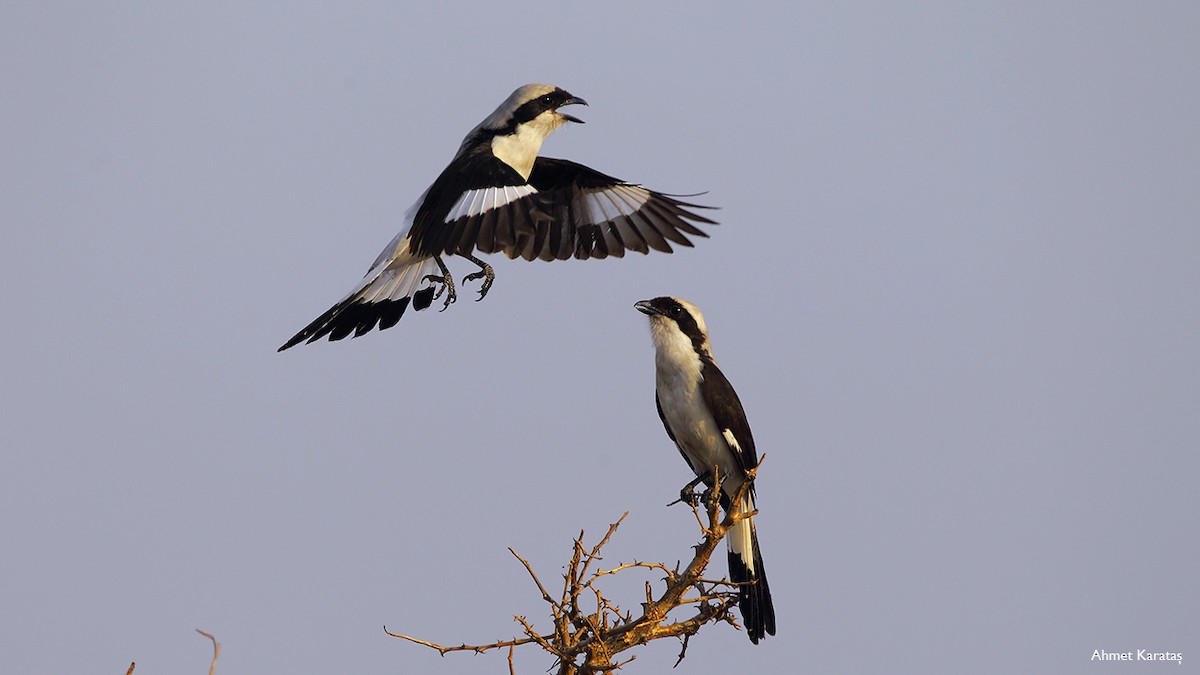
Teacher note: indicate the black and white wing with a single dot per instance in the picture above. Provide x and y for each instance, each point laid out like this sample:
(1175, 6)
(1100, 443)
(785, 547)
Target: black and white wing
(476, 199)
(565, 210)
(729, 415)
(593, 215)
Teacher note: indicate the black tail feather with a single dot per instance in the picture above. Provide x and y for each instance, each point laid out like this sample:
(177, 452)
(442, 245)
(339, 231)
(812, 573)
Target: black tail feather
(754, 594)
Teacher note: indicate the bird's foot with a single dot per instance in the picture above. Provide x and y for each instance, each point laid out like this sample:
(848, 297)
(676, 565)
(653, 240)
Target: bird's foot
(693, 498)
(447, 287)
(446, 281)
(488, 277)
(485, 272)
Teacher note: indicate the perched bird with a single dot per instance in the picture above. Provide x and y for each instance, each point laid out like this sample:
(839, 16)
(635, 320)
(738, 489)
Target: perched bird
(703, 415)
(498, 195)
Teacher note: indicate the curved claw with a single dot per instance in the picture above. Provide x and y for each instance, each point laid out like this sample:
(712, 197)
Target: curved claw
(488, 277)
(447, 287)
(485, 272)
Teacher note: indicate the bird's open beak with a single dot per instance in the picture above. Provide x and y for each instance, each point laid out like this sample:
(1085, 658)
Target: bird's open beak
(571, 101)
(645, 307)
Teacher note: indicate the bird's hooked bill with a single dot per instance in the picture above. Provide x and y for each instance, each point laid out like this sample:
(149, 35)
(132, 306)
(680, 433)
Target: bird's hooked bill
(571, 101)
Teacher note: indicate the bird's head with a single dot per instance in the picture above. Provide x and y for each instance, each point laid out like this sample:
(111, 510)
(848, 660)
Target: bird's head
(516, 129)
(533, 104)
(676, 325)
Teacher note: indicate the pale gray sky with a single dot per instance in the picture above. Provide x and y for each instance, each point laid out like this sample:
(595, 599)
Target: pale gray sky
(954, 283)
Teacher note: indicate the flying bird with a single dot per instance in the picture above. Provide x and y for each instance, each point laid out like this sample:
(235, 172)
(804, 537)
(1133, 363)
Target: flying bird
(705, 419)
(499, 196)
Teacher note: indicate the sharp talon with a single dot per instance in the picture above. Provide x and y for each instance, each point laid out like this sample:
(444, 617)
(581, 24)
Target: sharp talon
(485, 272)
(447, 283)
(447, 287)
(487, 282)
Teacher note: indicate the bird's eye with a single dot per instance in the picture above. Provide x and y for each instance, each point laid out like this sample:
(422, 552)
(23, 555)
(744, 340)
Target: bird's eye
(676, 312)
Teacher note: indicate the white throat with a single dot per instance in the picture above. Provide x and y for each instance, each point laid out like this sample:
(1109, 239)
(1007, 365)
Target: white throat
(520, 149)
(674, 355)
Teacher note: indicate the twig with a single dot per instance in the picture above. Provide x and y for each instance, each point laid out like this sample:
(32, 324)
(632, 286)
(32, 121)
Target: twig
(682, 651)
(626, 566)
(216, 650)
(532, 575)
(478, 649)
(595, 552)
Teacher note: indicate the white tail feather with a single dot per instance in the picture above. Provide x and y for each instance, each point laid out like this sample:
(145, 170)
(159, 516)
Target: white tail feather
(740, 539)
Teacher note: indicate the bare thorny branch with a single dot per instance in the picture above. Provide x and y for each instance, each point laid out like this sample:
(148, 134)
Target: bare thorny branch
(601, 632)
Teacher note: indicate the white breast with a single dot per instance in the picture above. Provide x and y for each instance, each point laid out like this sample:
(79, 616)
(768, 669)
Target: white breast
(678, 372)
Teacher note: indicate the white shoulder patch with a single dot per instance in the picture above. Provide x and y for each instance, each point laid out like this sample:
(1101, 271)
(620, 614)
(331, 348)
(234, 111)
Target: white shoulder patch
(732, 441)
(476, 202)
